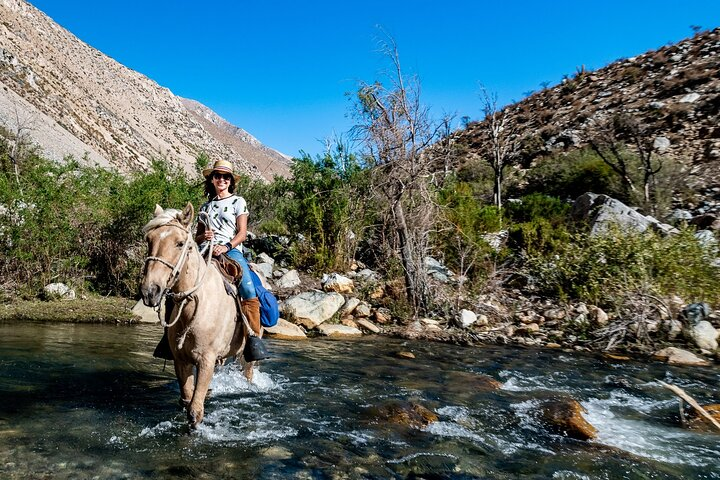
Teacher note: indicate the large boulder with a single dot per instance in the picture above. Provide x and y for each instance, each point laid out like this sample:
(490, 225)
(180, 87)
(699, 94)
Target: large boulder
(603, 212)
(312, 308)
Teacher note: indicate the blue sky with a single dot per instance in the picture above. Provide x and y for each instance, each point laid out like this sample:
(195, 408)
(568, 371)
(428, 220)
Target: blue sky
(281, 69)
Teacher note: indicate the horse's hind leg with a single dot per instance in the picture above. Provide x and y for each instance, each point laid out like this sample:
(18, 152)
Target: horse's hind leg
(186, 380)
(196, 410)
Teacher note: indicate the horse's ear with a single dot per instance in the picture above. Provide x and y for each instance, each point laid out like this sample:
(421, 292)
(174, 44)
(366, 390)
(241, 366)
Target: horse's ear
(187, 215)
(158, 210)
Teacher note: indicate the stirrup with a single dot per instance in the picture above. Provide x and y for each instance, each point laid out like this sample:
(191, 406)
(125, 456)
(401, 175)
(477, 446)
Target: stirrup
(255, 349)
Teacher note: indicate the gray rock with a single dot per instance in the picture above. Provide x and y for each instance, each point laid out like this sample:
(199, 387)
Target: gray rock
(59, 291)
(437, 270)
(680, 215)
(704, 335)
(661, 144)
(265, 258)
(467, 318)
(337, 283)
(285, 330)
(146, 314)
(289, 280)
(678, 356)
(495, 240)
(338, 330)
(312, 308)
(706, 239)
(602, 212)
(696, 312)
(368, 325)
(350, 305)
(265, 268)
(689, 98)
(366, 274)
(362, 310)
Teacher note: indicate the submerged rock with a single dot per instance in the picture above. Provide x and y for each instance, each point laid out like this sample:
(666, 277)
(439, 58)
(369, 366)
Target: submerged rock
(695, 421)
(407, 414)
(564, 416)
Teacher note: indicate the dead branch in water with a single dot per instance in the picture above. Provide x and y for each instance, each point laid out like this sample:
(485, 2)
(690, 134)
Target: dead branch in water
(684, 396)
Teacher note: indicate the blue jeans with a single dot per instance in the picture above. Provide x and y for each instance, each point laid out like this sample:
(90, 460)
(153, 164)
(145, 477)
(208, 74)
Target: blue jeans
(245, 285)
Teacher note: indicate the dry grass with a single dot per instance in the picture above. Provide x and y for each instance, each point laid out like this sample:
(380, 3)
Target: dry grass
(90, 310)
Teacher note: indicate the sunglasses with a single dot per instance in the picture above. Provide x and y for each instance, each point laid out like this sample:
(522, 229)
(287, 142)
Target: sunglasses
(224, 176)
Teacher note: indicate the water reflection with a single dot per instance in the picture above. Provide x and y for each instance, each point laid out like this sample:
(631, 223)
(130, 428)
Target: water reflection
(83, 401)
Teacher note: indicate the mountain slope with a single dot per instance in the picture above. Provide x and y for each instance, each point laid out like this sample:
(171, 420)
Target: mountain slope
(69, 98)
(673, 92)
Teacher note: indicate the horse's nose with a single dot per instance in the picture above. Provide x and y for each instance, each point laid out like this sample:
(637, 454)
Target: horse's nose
(151, 294)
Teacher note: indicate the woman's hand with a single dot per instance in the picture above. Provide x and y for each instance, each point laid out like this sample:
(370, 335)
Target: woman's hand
(220, 249)
(208, 234)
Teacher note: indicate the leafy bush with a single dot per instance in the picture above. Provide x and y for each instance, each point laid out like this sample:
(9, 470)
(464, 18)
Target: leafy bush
(80, 225)
(570, 175)
(325, 202)
(599, 269)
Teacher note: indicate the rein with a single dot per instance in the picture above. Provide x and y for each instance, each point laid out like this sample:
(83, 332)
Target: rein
(175, 274)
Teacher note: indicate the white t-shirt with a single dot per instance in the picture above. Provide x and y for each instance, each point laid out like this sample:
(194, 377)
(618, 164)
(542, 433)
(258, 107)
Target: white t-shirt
(223, 213)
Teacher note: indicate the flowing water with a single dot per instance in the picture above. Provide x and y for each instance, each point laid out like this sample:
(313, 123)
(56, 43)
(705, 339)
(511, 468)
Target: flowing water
(89, 401)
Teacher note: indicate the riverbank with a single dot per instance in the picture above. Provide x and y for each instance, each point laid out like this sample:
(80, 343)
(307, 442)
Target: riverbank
(93, 309)
(524, 328)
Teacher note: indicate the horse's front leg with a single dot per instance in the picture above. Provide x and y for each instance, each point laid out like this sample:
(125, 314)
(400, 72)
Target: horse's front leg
(186, 380)
(249, 370)
(196, 410)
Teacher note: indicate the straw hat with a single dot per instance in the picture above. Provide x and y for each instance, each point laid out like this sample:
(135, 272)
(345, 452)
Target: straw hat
(222, 166)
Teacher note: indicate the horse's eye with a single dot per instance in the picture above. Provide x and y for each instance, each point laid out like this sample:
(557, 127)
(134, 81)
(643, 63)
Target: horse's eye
(180, 244)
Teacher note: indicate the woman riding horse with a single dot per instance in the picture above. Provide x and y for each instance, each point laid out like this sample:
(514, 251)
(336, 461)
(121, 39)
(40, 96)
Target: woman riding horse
(226, 215)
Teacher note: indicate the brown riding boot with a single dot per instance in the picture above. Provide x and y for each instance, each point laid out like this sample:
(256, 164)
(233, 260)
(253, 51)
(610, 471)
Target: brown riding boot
(254, 347)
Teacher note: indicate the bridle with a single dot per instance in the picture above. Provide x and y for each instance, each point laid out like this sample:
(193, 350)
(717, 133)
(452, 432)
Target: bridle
(175, 273)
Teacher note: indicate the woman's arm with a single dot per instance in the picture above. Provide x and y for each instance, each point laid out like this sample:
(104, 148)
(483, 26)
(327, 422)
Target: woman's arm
(240, 236)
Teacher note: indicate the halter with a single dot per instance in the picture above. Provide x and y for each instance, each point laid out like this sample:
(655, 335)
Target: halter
(175, 274)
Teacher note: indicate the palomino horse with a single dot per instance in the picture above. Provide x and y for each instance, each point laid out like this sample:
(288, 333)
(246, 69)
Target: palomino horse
(202, 327)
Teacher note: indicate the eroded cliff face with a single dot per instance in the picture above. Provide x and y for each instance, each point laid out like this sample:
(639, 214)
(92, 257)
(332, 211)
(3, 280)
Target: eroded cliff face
(673, 93)
(71, 99)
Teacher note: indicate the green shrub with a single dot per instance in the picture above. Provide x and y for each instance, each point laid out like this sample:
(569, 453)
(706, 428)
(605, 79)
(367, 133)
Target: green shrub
(81, 225)
(599, 269)
(568, 176)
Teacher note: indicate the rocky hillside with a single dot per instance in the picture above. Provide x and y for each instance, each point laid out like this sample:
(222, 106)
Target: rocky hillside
(71, 99)
(673, 92)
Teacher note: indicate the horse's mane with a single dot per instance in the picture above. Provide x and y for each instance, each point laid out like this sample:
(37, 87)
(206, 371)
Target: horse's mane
(164, 218)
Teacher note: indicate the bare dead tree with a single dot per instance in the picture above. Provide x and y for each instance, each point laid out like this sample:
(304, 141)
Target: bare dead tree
(19, 140)
(604, 140)
(500, 141)
(395, 129)
(610, 137)
(650, 162)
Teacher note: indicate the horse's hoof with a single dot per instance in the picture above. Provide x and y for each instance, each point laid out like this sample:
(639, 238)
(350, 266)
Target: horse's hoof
(194, 418)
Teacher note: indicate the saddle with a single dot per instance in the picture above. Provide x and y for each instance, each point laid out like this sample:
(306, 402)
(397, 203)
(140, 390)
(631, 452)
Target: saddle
(228, 268)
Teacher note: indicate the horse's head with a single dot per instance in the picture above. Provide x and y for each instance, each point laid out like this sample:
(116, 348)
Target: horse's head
(167, 235)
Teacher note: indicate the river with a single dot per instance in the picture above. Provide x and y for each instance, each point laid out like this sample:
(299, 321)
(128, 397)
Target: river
(89, 401)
